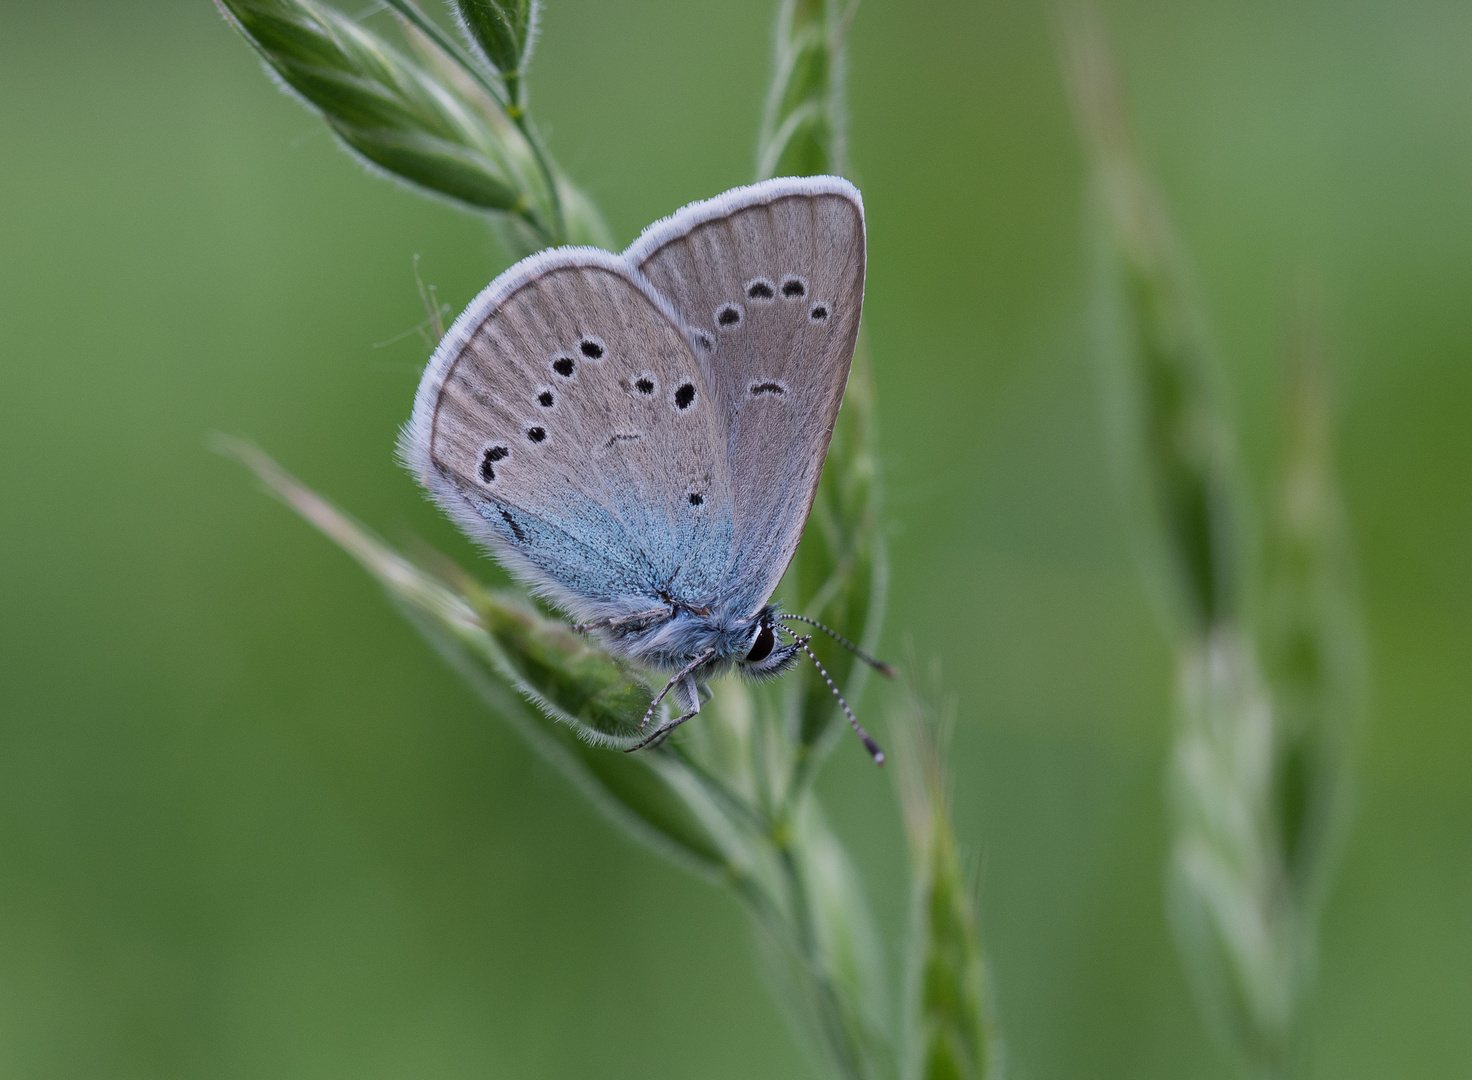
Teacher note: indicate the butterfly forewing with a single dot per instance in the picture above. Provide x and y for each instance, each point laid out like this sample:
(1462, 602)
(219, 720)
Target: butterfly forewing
(770, 279)
(566, 422)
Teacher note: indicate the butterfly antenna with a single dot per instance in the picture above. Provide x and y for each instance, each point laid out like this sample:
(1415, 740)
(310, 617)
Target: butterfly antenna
(878, 665)
(867, 739)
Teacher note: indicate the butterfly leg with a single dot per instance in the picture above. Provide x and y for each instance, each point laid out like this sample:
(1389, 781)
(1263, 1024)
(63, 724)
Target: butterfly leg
(675, 681)
(691, 692)
(662, 732)
(621, 620)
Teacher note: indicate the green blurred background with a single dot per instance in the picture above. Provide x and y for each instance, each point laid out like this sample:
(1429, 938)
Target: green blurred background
(250, 826)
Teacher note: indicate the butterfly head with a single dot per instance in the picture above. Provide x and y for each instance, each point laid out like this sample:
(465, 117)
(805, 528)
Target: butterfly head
(765, 656)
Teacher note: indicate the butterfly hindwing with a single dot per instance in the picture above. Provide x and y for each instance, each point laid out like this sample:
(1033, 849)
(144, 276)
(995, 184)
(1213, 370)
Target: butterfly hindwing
(565, 422)
(770, 280)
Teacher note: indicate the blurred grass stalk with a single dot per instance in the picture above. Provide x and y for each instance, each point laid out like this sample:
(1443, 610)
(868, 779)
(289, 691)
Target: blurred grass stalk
(804, 127)
(840, 575)
(950, 1006)
(840, 572)
(1259, 771)
(729, 797)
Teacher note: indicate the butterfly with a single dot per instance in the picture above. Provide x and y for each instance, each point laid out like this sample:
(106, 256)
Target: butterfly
(638, 438)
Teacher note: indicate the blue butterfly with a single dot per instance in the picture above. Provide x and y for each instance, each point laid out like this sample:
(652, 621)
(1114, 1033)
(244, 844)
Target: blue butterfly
(639, 437)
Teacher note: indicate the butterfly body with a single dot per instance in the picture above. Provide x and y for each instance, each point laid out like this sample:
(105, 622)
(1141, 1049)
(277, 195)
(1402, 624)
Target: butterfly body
(638, 437)
(672, 643)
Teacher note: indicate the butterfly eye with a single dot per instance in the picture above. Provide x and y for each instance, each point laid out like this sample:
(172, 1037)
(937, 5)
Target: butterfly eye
(761, 648)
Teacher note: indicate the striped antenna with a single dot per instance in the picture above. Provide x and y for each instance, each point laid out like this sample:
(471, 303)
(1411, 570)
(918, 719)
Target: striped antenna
(878, 665)
(867, 739)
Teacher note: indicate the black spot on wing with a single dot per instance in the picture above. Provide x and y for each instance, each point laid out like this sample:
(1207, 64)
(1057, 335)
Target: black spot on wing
(488, 459)
(515, 528)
